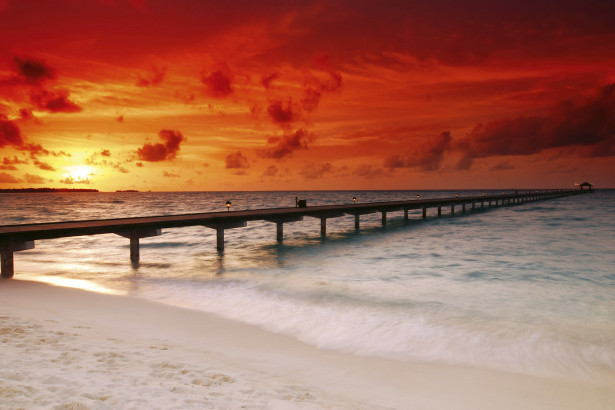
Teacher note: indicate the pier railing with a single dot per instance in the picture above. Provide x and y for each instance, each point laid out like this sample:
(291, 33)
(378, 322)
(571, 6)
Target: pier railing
(15, 238)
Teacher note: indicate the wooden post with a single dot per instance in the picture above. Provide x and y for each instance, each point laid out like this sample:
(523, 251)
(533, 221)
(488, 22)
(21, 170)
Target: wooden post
(323, 226)
(405, 214)
(453, 209)
(7, 266)
(473, 205)
(220, 239)
(439, 210)
(384, 218)
(463, 208)
(356, 221)
(134, 249)
(279, 231)
(424, 212)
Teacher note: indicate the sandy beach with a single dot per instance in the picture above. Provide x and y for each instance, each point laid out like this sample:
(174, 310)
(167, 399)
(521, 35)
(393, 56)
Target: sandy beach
(66, 348)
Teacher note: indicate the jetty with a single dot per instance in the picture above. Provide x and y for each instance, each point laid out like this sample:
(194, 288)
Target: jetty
(16, 238)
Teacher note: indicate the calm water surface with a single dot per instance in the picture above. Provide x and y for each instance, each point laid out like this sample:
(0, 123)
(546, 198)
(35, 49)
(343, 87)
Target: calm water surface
(526, 288)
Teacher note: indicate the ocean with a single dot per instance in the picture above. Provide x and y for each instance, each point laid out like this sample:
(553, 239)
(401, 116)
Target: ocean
(526, 288)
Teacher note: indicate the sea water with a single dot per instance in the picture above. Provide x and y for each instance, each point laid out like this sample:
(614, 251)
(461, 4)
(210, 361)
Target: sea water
(527, 288)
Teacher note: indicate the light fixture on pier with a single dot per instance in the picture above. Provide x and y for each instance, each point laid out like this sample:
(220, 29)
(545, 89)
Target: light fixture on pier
(228, 205)
(418, 196)
(354, 199)
(483, 194)
(457, 195)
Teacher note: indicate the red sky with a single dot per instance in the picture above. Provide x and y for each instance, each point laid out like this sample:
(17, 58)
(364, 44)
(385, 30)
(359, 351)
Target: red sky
(283, 95)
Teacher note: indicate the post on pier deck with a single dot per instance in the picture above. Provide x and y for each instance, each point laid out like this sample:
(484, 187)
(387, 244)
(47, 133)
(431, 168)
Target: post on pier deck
(279, 223)
(7, 267)
(220, 227)
(134, 235)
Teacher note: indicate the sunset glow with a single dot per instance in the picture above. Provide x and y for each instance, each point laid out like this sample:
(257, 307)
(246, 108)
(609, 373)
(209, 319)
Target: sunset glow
(202, 95)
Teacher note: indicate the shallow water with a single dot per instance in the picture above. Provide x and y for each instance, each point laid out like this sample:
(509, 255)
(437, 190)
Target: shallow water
(525, 288)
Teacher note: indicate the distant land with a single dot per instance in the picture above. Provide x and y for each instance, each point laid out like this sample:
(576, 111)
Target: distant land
(44, 190)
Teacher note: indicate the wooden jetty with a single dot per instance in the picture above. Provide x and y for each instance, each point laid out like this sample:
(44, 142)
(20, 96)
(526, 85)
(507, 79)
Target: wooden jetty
(15, 238)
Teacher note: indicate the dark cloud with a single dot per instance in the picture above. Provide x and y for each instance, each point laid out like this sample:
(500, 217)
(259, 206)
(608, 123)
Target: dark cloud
(314, 88)
(280, 113)
(33, 71)
(588, 126)
(219, 83)
(160, 152)
(26, 114)
(139, 164)
(34, 179)
(53, 101)
(120, 118)
(236, 160)
(43, 165)
(61, 154)
(271, 171)
(268, 80)
(280, 147)
(8, 167)
(367, 171)
(313, 171)
(426, 156)
(154, 77)
(105, 153)
(8, 179)
(170, 175)
(14, 160)
(10, 134)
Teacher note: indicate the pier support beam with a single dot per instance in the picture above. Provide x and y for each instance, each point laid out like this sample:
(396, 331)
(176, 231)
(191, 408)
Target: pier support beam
(384, 218)
(356, 222)
(6, 255)
(405, 214)
(134, 235)
(439, 210)
(473, 205)
(323, 226)
(220, 227)
(463, 208)
(279, 222)
(424, 212)
(453, 209)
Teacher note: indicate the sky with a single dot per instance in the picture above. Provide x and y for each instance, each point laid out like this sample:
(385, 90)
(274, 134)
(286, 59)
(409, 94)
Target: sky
(190, 95)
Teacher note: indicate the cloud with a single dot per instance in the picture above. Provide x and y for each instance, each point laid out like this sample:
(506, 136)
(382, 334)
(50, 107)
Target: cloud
(43, 165)
(160, 152)
(236, 160)
(268, 80)
(502, 166)
(367, 171)
(8, 167)
(53, 101)
(154, 77)
(34, 179)
(120, 118)
(34, 71)
(14, 160)
(8, 179)
(426, 156)
(271, 171)
(588, 126)
(139, 164)
(71, 181)
(280, 147)
(105, 153)
(10, 134)
(170, 175)
(218, 83)
(280, 114)
(313, 171)
(26, 114)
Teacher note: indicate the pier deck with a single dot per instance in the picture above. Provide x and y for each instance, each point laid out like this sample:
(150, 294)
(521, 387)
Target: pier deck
(14, 238)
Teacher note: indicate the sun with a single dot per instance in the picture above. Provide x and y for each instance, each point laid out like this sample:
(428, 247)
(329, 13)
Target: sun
(79, 172)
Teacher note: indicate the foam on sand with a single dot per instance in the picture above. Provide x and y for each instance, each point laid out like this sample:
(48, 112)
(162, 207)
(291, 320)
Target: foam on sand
(70, 349)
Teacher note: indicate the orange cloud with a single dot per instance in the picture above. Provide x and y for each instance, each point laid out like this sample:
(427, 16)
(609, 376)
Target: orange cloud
(161, 152)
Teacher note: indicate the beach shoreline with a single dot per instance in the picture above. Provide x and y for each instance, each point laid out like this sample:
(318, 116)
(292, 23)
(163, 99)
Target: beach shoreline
(69, 348)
